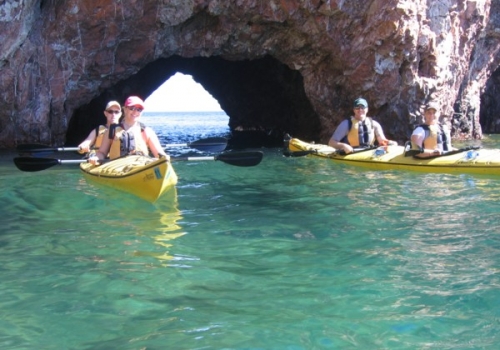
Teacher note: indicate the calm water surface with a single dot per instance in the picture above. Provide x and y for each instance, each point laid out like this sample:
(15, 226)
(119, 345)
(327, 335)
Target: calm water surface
(296, 253)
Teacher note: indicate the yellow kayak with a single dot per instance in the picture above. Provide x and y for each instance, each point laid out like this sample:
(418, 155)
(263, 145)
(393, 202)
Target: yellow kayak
(479, 161)
(145, 177)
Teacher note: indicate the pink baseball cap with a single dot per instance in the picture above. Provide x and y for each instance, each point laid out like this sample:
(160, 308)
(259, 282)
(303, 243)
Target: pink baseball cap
(134, 101)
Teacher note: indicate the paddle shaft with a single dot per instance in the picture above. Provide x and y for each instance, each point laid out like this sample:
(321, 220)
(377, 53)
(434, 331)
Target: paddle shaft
(340, 152)
(450, 153)
(34, 147)
(71, 161)
(192, 158)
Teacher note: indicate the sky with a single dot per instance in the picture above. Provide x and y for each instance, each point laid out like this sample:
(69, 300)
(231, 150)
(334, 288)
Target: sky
(181, 93)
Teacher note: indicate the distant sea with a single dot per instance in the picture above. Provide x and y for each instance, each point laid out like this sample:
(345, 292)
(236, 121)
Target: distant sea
(184, 127)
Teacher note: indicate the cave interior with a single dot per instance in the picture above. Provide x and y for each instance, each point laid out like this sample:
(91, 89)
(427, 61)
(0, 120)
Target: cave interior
(263, 98)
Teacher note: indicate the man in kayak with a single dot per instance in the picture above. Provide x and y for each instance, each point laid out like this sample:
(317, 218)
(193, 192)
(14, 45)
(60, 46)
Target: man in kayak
(130, 136)
(112, 112)
(432, 138)
(358, 131)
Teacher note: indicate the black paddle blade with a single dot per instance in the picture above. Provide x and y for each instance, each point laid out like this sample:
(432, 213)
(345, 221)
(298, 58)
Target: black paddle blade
(210, 144)
(34, 164)
(32, 147)
(241, 158)
(297, 153)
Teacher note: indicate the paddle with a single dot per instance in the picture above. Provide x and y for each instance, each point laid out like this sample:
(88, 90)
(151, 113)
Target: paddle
(37, 164)
(249, 158)
(210, 144)
(460, 150)
(35, 147)
(288, 153)
(32, 164)
(356, 150)
(449, 153)
(340, 152)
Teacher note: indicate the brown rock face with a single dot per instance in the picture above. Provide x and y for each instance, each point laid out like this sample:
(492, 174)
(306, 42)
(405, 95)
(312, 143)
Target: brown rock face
(279, 65)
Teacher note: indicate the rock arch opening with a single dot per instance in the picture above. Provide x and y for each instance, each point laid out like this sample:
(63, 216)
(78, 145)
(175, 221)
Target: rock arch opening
(263, 98)
(180, 93)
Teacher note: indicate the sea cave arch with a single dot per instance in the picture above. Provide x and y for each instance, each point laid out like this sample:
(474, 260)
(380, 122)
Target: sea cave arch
(263, 98)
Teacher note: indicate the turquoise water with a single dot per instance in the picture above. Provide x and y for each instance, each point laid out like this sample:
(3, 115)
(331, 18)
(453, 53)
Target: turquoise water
(295, 253)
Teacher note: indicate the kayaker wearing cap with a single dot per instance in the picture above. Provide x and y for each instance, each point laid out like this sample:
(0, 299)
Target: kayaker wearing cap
(431, 139)
(112, 112)
(358, 131)
(130, 136)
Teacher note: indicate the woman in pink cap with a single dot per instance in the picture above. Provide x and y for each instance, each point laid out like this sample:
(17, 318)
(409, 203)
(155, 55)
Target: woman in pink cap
(112, 112)
(130, 136)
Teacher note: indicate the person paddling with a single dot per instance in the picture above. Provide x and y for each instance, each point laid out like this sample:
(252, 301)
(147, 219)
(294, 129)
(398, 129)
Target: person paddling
(432, 138)
(112, 112)
(129, 136)
(358, 131)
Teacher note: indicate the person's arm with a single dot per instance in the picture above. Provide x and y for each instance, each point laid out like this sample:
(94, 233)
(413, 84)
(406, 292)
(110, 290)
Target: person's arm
(154, 144)
(417, 140)
(380, 136)
(84, 147)
(338, 135)
(340, 146)
(448, 137)
(429, 153)
(103, 150)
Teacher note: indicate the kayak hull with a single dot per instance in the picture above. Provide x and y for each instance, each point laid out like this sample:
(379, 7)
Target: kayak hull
(142, 176)
(483, 161)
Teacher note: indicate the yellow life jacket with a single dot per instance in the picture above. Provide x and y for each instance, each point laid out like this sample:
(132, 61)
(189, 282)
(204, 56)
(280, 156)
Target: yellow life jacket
(431, 138)
(127, 142)
(360, 133)
(99, 131)
(434, 136)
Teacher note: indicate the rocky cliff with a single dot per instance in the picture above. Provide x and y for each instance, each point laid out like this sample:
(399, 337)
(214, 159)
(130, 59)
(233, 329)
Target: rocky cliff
(278, 65)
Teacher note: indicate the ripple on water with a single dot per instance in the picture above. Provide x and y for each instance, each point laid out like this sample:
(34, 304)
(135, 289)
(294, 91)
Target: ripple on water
(296, 253)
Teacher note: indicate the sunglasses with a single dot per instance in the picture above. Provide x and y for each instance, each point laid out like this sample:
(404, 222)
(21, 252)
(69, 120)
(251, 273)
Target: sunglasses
(111, 111)
(137, 109)
(360, 107)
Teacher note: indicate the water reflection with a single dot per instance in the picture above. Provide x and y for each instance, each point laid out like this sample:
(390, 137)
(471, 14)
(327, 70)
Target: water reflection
(164, 230)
